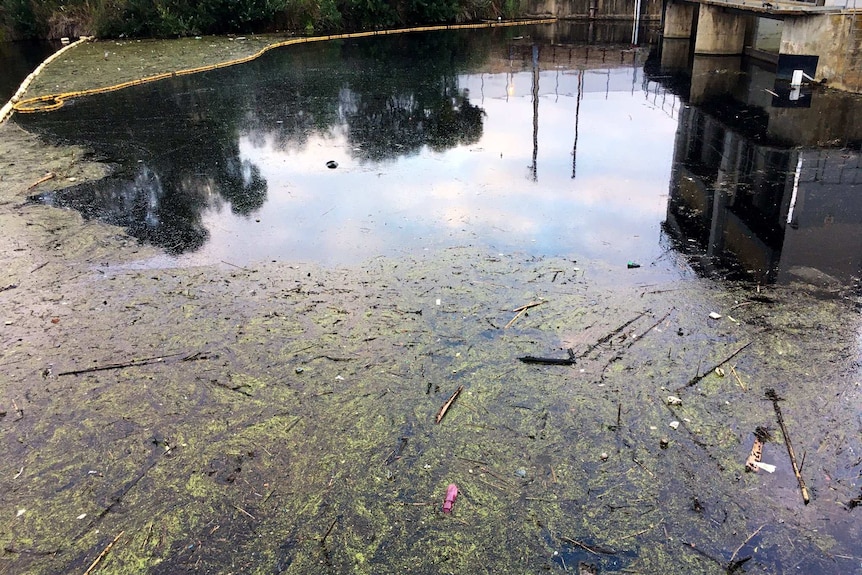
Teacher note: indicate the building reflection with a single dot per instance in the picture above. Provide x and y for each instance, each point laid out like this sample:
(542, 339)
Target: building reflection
(763, 188)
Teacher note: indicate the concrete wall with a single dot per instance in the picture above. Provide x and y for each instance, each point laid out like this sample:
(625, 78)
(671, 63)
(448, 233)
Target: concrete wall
(836, 39)
(719, 31)
(616, 9)
(767, 35)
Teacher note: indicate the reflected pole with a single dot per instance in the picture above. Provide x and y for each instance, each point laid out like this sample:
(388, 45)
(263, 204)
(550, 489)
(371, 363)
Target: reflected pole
(534, 167)
(577, 116)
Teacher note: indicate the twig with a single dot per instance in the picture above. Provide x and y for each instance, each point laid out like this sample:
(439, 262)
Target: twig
(447, 405)
(131, 363)
(328, 531)
(630, 535)
(243, 511)
(772, 396)
(547, 360)
(744, 543)
(641, 465)
(529, 305)
(40, 266)
(514, 319)
(236, 266)
(103, 553)
(521, 310)
(496, 476)
(738, 379)
(656, 324)
(610, 336)
(45, 178)
(700, 552)
(18, 410)
(595, 550)
(147, 538)
(697, 378)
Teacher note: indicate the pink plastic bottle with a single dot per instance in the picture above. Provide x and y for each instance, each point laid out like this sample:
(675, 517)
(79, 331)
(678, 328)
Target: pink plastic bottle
(451, 494)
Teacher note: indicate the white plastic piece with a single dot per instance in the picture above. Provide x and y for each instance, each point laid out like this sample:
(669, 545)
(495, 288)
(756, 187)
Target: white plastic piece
(714, 315)
(673, 424)
(796, 80)
(767, 467)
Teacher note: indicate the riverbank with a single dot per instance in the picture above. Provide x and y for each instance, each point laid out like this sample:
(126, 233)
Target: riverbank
(280, 417)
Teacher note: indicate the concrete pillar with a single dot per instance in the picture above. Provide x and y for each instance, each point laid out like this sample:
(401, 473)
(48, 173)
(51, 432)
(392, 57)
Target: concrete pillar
(719, 31)
(678, 20)
(675, 54)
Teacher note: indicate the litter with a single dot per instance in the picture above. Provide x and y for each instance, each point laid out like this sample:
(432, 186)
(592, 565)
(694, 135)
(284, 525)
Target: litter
(451, 495)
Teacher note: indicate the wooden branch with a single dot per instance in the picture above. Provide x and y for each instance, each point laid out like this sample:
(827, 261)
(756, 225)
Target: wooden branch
(447, 405)
(694, 380)
(102, 554)
(772, 396)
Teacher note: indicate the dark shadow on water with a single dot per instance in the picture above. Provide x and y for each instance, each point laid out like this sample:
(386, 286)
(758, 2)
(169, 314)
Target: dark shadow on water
(18, 59)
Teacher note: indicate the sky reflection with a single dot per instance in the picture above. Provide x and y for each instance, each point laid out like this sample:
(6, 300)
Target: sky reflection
(481, 194)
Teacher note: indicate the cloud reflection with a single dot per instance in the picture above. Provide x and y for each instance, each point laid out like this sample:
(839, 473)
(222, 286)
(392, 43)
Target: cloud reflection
(478, 193)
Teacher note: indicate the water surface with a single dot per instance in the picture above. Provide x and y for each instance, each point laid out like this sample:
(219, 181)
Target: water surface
(491, 138)
(549, 140)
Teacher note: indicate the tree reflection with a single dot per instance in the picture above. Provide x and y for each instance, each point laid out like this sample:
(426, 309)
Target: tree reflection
(177, 142)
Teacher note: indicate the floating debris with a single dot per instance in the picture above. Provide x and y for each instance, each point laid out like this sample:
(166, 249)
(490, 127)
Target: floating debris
(451, 495)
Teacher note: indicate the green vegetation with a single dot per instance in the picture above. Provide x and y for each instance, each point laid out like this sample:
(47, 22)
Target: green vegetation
(164, 18)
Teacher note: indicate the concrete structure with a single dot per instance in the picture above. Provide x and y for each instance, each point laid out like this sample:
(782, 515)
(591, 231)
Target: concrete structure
(825, 41)
(760, 187)
(719, 31)
(594, 9)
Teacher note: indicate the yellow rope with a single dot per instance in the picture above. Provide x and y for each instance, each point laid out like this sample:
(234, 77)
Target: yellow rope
(55, 101)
